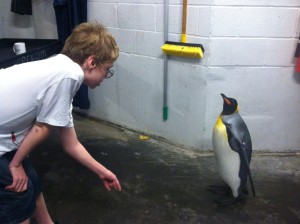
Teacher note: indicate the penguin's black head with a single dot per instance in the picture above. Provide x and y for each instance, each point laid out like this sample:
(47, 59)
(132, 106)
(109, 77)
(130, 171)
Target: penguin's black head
(230, 105)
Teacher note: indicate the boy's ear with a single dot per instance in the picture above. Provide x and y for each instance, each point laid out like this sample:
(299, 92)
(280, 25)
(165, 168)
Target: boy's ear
(90, 62)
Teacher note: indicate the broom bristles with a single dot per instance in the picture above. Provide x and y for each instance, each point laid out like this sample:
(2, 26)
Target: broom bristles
(183, 49)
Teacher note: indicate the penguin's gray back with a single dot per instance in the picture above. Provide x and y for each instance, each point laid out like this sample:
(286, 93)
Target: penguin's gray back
(238, 133)
(239, 140)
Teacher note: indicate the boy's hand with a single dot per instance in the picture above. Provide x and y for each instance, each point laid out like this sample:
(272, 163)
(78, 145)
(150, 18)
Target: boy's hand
(110, 181)
(20, 179)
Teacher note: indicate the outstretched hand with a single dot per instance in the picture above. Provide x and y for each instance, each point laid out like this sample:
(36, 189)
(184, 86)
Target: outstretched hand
(110, 181)
(20, 179)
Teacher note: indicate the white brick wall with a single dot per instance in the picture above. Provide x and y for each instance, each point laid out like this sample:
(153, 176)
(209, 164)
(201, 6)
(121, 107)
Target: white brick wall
(41, 24)
(44, 19)
(104, 13)
(249, 47)
(254, 22)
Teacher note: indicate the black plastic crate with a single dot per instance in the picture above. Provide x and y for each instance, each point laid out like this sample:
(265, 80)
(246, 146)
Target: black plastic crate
(36, 49)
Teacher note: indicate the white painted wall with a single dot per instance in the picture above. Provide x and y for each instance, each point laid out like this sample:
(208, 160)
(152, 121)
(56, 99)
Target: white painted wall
(249, 47)
(41, 24)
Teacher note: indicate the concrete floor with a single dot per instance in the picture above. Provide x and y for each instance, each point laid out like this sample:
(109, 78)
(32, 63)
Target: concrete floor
(161, 183)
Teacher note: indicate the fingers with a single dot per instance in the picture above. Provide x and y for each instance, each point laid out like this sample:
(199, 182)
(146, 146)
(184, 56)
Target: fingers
(20, 179)
(18, 185)
(109, 185)
(25, 185)
(110, 181)
(117, 186)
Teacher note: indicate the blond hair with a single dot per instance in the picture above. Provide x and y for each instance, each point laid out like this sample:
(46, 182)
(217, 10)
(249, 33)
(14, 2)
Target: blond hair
(91, 39)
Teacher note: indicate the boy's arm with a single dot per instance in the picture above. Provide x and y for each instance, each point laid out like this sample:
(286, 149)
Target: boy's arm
(36, 135)
(76, 150)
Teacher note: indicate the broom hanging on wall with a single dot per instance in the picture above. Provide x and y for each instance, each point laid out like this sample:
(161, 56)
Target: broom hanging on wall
(182, 48)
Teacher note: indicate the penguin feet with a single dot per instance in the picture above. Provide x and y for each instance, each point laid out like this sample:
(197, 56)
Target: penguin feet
(225, 201)
(223, 190)
(245, 191)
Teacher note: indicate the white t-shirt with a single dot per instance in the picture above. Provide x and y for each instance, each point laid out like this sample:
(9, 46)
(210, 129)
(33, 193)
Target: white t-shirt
(39, 91)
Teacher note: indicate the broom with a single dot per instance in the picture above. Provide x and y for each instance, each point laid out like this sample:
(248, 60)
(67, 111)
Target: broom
(182, 48)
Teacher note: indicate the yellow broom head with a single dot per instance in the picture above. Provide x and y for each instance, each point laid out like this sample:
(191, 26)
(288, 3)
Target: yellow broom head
(183, 49)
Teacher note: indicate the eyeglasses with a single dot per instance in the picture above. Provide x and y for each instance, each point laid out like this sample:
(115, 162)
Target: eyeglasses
(109, 72)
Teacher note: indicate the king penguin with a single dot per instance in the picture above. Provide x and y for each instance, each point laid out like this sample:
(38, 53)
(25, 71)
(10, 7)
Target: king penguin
(233, 150)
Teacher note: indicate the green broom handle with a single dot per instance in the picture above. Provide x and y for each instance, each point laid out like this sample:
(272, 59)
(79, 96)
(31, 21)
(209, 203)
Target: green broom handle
(184, 12)
(165, 90)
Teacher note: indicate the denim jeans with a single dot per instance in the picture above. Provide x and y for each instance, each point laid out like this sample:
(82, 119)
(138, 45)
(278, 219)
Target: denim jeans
(16, 207)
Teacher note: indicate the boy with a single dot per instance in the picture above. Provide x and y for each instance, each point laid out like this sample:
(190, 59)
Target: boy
(37, 96)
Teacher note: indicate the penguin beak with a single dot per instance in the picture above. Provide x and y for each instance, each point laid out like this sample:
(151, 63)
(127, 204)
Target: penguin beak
(226, 100)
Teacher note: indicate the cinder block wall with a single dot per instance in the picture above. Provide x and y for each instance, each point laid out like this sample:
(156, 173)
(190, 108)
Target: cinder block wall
(249, 47)
(41, 24)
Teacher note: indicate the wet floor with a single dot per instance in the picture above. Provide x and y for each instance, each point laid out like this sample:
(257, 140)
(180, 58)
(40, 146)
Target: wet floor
(161, 183)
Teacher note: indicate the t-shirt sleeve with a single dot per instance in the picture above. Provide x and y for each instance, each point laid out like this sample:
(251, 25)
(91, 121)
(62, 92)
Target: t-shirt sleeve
(55, 104)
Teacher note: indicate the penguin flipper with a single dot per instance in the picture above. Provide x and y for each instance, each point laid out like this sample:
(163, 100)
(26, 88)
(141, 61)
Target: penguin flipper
(243, 149)
(249, 171)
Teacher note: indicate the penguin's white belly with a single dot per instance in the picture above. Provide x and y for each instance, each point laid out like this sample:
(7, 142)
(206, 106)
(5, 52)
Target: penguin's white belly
(228, 161)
